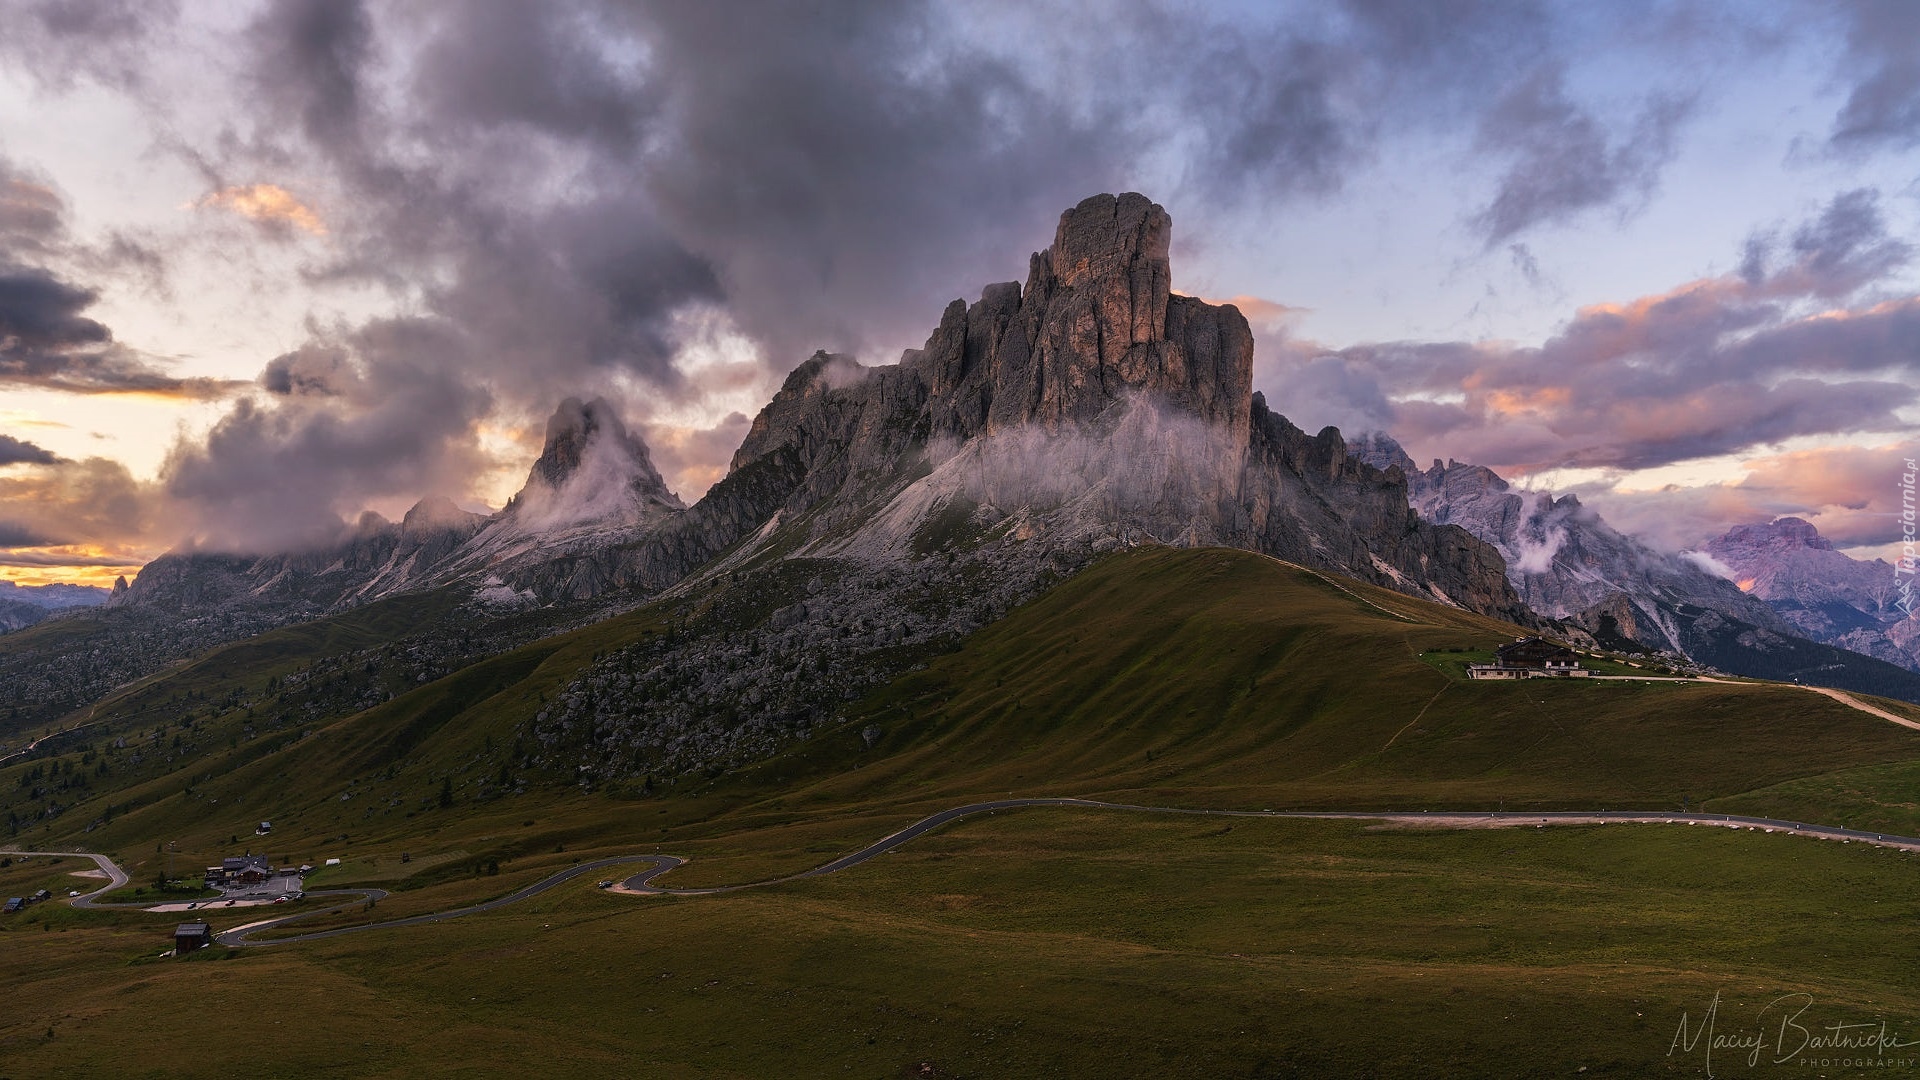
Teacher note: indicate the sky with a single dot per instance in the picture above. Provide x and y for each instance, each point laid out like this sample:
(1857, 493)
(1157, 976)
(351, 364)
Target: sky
(266, 266)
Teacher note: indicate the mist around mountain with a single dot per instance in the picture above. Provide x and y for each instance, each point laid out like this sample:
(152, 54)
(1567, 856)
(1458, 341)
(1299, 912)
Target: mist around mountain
(875, 515)
(1568, 564)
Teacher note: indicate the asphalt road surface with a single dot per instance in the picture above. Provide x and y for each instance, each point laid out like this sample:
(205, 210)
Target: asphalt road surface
(641, 884)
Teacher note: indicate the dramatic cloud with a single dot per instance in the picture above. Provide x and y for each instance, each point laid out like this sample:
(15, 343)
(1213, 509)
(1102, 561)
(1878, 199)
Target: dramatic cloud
(670, 204)
(1883, 107)
(91, 517)
(378, 414)
(46, 339)
(560, 186)
(1715, 367)
(20, 452)
(1850, 493)
(47, 343)
(1563, 158)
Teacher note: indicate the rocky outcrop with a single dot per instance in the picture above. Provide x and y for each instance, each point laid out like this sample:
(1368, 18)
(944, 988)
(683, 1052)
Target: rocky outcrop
(1096, 324)
(1823, 593)
(58, 596)
(1087, 409)
(1567, 563)
(18, 615)
(589, 469)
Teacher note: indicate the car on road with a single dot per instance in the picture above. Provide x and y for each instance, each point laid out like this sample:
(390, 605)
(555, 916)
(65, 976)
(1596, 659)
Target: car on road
(281, 899)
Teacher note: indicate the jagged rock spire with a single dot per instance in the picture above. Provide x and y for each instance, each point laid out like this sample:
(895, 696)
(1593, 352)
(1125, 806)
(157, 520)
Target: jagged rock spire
(1096, 323)
(590, 466)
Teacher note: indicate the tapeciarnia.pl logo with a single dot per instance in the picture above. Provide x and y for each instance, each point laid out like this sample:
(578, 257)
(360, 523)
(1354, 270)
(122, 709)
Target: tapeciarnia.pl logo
(1903, 570)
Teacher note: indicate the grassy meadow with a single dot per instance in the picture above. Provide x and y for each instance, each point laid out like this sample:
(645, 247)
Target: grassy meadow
(1055, 942)
(1046, 942)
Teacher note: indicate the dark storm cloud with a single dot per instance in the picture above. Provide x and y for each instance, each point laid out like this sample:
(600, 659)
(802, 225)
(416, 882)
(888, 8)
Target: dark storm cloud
(46, 342)
(382, 412)
(561, 192)
(21, 452)
(46, 339)
(310, 59)
(15, 535)
(1883, 67)
(1564, 159)
(498, 64)
(846, 173)
(830, 176)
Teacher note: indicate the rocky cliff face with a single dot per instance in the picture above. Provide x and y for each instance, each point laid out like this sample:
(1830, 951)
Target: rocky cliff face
(1567, 563)
(22, 606)
(1086, 409)
(874, 514)
(1095, 326)
(1823, 593)
(17, 615)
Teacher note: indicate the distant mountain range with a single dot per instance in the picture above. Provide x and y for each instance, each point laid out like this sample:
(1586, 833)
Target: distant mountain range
(1823, 593)
(1568, 564)
(24, 605)
(874, 516)
(1089, 410)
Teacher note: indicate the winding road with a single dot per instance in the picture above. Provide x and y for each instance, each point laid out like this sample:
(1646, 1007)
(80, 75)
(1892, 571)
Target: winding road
(642, 883)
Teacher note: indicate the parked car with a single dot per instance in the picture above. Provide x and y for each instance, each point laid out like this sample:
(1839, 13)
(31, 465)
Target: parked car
(607, 884)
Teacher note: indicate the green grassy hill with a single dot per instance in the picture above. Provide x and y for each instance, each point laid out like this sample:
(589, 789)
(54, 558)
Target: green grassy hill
(1219, 678)
(1044, 942)
(1203, 678)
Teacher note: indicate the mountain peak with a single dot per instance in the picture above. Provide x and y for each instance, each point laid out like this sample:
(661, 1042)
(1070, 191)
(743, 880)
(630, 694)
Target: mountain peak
(570, 429)
(1783, 532)
(1117, 246)
(437, 513)
(1096, 325)
(1382, 451)
(590, 467)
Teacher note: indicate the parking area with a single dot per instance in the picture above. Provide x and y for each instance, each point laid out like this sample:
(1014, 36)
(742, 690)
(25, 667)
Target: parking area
(258, 894)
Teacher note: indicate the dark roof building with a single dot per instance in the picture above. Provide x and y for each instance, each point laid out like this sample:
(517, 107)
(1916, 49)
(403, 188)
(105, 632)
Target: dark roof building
(189, 936)
(1528, 658)
(1535, 652)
